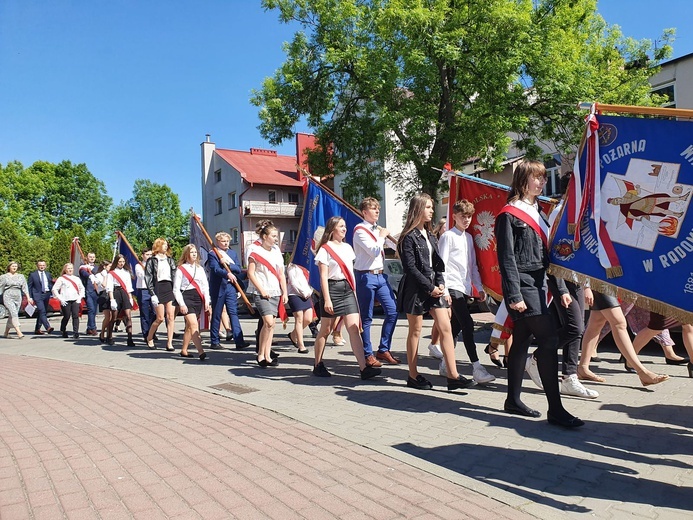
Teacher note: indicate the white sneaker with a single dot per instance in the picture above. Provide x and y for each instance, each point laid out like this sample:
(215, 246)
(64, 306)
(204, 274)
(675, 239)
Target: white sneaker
(481, 375)
(434, 351)
(533, 371)
(572, 386)
(443, 369)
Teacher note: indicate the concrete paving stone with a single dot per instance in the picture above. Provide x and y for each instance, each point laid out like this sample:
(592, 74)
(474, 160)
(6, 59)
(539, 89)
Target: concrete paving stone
(12, 496)
(72, 501)
(48, 512)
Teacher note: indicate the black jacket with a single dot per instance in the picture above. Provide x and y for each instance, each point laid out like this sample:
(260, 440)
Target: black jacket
(415, 261)
(150, 270)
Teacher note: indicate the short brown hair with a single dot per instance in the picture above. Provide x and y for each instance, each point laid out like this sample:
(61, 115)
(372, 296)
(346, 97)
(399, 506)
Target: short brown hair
(369, 202)
(463, 206)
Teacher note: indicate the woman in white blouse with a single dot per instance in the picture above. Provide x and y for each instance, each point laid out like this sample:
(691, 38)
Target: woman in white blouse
(119, 288)
(335, 260)
(191, 291)
(300, 303)
(69, 290)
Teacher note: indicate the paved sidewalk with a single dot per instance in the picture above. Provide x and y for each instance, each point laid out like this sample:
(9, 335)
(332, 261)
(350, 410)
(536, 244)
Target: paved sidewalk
(225, 438)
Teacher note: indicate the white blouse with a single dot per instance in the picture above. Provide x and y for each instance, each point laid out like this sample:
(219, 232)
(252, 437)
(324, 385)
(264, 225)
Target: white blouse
(181, 282)
(65, 291)
(345, 253)
(296, 282)
(124, 276)
(264, 276)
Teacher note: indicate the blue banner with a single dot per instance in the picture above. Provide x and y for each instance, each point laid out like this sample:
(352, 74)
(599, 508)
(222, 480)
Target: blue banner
(319, 206)
(123, 248)
(640, 193)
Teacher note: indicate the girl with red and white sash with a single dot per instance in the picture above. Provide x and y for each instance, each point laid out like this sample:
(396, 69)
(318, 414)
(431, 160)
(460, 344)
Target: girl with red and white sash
(191, 290)
(335, 260)
(521, 234)
(69, 290)
(300, 303)
(119, 288)
(267, 285)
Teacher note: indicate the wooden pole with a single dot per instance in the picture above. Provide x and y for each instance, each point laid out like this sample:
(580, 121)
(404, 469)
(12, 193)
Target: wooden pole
(122, 237)
(216, 252)
(628, 109)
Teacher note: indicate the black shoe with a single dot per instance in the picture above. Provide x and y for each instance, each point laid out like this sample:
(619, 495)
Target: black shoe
(567, 422)
(264, 363)
(64, 333)
(274, 362)
(131, 343)
(523, 410)
(186, 355)
(229, 337)
(76, 335)
(242, 346)
(273, 354)
(490, 349)
(215, 346)
(682, 361)
(420, 383)
(369, 372)
(313, 329)
(320, 370)
(203, 356)
(459, 383)
(625, 365)
(110, 341)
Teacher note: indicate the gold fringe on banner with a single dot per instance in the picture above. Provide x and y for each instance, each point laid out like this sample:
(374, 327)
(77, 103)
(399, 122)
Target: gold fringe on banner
(494, 294)
(614, 272)
(641, 301)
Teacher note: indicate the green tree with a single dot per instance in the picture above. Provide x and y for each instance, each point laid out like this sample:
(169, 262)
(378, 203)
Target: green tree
(424, 82)
(47, 197)
(152, 212)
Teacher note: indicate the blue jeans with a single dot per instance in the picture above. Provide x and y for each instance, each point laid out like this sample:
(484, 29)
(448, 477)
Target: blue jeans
(41, 305)
(369, 288)
(92, 307)
(147, 311)
(229, 299)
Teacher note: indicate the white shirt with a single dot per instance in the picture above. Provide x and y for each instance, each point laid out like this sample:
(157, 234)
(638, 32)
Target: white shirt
(163, 270)
(181, 282)
(139, 275)
(456, 248)
(369, 247)
(64, 291)
(296, 282)
(124, 276)
(263, 275)
(345, 253)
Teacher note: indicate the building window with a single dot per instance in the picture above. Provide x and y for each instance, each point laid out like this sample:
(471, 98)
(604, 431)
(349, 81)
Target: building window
(272, 196)
(293, 198)
(217, 206)
(666, 91)
(234, 235)
(553, 178)
(293, 235)
(232, 201)
(217, 175)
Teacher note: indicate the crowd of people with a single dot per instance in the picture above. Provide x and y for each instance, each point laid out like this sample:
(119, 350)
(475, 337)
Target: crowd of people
(440, 279)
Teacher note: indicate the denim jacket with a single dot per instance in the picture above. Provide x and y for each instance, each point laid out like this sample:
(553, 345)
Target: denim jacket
(415, 261)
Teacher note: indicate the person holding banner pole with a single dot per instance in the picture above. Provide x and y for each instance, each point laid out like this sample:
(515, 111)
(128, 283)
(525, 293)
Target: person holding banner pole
(334, 258)
(422, 289)
(69, 290)
(86, 274)
(372, 283)
(158, 275)
(522, 239)
(267, 284)
(191, 290)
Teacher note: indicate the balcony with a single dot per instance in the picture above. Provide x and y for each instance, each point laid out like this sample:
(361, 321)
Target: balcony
(272, 209)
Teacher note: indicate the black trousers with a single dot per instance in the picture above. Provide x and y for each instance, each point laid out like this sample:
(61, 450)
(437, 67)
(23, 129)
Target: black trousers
(572, 321)
(71, 310)
(542, 327)
(462, 321)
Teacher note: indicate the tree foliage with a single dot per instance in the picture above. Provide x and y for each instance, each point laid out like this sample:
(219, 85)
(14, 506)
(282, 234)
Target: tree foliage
(152, 212)
(425, 82)
(46, 197)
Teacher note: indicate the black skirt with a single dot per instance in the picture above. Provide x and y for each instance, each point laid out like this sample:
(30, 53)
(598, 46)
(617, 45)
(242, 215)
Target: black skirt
(193, 301)
(164, 291)
(122, 298)
(103, 301)
(343, 299)
(297, 304)
(410, 300)
(603, 301)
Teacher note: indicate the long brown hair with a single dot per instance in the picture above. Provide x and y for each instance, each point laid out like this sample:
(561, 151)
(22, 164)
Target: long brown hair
(185, 255)
(114, 264)
(523, 172)
(329, 229)
(417, 206)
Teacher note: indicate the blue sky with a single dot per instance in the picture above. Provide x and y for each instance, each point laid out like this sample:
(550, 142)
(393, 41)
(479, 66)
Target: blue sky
(131, 87)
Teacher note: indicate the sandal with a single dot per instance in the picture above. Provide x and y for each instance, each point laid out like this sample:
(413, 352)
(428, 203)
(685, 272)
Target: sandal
(491, 350)
(584, 374)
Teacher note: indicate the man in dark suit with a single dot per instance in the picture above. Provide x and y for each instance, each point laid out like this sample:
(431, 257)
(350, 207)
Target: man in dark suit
(222, 291)
(86, 274)
(40, 285)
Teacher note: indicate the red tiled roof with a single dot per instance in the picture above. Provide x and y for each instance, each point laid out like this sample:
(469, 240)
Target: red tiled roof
(263, 166)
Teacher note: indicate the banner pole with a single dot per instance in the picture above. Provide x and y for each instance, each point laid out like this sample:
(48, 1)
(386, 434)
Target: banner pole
(628, 109)
(122, 237)
(216, 252)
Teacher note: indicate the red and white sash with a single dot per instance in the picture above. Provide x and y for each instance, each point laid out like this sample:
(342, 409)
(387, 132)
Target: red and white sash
(345, 270)
(118, 279)
(255, 255)
(533, 219)
(192, 282)
(365, 228)
(73, 284)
